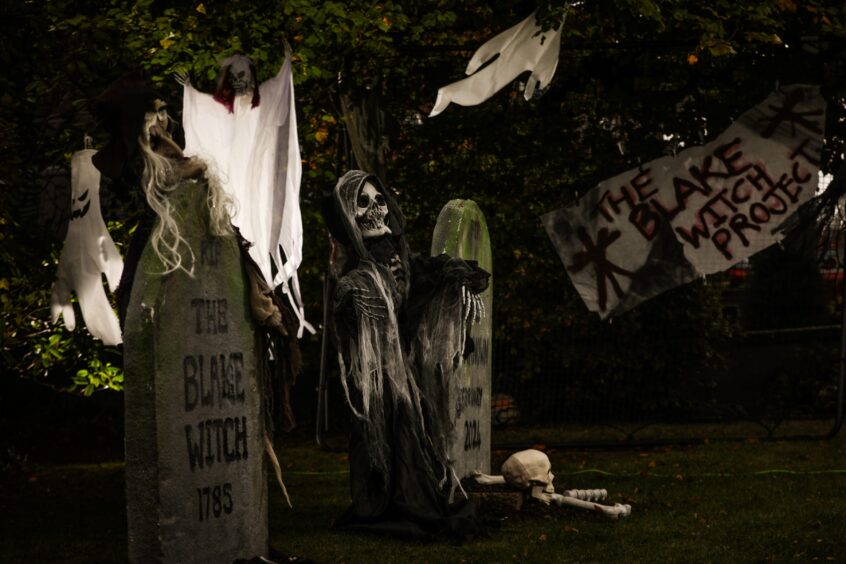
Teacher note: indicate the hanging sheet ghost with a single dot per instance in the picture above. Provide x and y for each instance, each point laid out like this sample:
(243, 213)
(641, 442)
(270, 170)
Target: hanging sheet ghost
(524, 47)
(249, 141)
(650, 229)
(88, 253)
(400, 323)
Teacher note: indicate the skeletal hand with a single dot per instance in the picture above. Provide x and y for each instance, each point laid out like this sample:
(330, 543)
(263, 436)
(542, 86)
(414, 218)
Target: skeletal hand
(474, 307)
(368, 305)
(182, 77)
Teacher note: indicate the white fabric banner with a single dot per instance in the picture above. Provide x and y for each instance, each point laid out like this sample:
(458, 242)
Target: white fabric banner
(521, 48)
(255, 154)
(650, 229)
(87, 254)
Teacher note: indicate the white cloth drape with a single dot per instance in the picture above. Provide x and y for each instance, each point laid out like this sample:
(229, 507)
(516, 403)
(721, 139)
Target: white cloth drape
(520, 48)
(88, 252)
(255, 154)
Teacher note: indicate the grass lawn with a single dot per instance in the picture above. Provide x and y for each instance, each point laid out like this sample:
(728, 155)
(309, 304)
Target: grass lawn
(753, 501)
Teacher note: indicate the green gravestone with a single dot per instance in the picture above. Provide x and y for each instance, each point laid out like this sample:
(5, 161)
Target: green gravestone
(195, 476)
(461, 232)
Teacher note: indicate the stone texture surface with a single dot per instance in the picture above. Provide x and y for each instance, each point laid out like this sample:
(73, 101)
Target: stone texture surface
(461, 232)
(195, 475)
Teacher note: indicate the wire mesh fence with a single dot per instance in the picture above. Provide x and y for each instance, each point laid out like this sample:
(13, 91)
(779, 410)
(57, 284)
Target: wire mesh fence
(773, 357)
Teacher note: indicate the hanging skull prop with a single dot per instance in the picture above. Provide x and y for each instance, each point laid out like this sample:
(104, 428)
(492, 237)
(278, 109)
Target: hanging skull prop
(237, 78)
(531, 471)
(371, 211)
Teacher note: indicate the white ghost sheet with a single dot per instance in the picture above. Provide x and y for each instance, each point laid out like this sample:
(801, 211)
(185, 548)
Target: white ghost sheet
(88, 253)
(255, 154)
(524, 47)
(674, 219)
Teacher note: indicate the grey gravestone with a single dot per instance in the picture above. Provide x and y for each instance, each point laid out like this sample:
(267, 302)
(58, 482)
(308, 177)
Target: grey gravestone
(195, 476)
(461, 232)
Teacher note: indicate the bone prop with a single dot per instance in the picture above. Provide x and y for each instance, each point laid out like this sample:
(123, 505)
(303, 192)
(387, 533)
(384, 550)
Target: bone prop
(487, 479)
(612, 511)
(587, 495)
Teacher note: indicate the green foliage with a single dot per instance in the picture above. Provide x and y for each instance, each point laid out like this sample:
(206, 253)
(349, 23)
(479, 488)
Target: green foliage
(98, 376)
(641, 75)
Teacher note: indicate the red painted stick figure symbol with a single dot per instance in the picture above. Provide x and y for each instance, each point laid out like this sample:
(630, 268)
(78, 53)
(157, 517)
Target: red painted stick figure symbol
(605, 269)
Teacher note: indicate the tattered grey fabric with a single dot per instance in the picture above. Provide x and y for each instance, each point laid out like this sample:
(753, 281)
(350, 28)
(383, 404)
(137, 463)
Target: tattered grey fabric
(370, 352)
(438, 346)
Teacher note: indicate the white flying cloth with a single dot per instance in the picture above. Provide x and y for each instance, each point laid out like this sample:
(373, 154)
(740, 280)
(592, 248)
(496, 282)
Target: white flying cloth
(88, 252)
(520, 48)
(255, 154)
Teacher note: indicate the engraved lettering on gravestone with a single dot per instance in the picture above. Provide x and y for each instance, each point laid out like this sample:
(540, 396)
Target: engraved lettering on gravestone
(210, 315)
(467, 397)
(209, 252)
(223, 385)
(472, 436)
(213, 500)
(480, 353)
(216, 440)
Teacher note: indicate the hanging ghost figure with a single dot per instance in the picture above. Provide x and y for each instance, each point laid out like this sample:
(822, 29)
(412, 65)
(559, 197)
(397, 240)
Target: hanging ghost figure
(400, 325)
(247, 134)
(524, 47)
(87, 254)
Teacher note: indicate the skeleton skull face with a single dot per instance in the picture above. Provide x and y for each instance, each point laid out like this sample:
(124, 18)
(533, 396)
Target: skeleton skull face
(240, 74)
(371, 211)
(529, 469)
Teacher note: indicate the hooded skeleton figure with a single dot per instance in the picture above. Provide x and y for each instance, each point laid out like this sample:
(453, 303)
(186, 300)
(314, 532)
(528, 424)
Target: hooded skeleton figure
(383, 306)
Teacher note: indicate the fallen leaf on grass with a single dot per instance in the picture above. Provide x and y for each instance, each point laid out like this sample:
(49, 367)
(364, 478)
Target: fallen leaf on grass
(570, 529)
